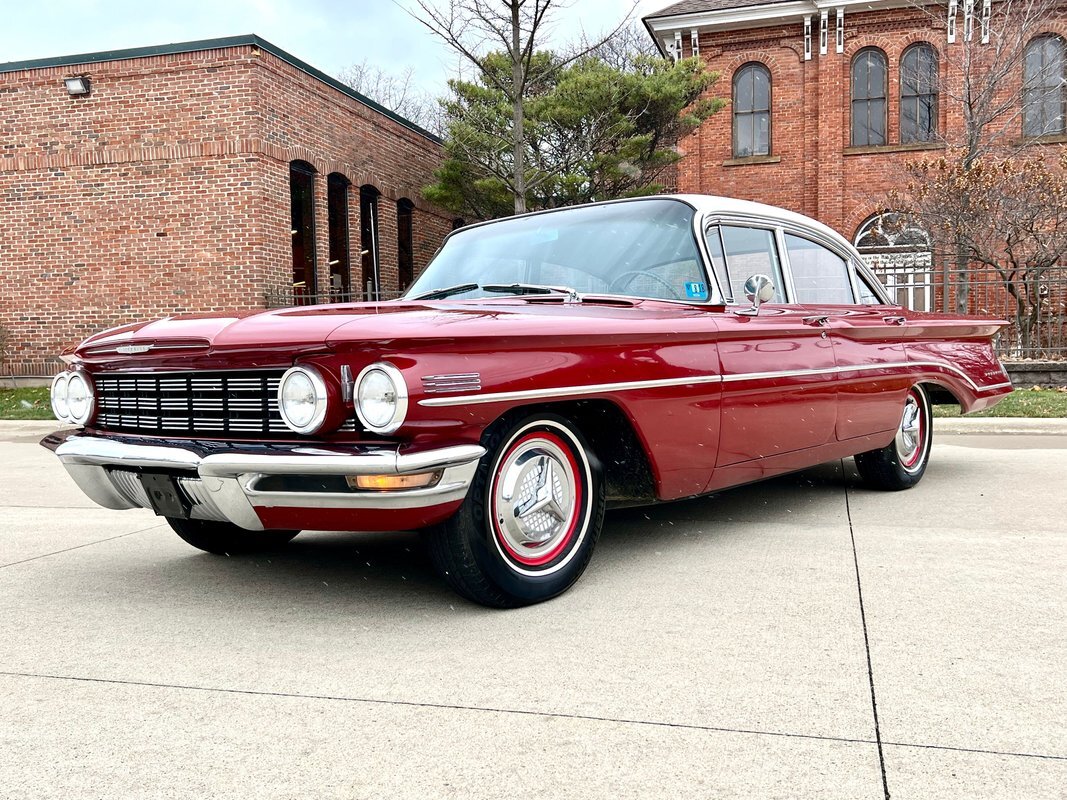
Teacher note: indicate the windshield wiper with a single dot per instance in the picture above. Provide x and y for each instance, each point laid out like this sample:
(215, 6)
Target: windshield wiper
(448, 291)
(529, 288)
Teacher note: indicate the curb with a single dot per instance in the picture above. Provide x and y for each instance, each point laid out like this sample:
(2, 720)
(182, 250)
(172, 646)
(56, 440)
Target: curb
(1002, 426)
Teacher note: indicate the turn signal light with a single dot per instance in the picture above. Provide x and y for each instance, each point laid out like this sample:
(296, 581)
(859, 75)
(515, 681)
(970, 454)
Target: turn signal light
(389, 483)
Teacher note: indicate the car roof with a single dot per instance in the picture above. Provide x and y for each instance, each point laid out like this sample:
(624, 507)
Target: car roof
(708, 204)
(715, 204)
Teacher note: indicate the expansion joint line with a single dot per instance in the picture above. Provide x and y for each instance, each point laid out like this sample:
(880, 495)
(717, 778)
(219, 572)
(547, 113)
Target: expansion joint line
(866, 645)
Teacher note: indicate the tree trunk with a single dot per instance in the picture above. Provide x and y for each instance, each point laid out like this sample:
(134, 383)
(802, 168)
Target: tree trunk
(963, 277)
(518, 137)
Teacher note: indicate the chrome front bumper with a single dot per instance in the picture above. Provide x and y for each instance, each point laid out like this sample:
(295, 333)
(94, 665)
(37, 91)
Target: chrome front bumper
(222, 482)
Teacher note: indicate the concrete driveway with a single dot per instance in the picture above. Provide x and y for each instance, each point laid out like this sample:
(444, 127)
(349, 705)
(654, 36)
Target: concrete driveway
(800, 638)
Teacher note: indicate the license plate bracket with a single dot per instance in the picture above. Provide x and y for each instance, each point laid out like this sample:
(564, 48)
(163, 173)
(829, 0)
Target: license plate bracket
(163, 493)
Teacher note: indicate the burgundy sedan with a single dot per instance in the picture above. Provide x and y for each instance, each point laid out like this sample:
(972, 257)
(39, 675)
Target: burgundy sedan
(541, 369)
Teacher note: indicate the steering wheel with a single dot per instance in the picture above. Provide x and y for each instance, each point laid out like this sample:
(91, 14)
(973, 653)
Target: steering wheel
(633, 273)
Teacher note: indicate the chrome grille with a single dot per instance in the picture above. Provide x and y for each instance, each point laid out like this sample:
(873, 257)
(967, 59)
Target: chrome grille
(230, 404)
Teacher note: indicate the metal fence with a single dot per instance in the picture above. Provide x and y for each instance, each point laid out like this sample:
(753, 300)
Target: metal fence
(1033, 302)
(287, 296)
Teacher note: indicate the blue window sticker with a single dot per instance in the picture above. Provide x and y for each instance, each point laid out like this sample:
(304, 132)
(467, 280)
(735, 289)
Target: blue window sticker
(696, 290)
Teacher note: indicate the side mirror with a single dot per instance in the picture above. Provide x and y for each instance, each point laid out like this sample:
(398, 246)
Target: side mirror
(758, 290)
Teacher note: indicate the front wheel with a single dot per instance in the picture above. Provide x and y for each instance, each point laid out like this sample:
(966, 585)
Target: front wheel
(901, 463)
(224, 539)
(531, 519)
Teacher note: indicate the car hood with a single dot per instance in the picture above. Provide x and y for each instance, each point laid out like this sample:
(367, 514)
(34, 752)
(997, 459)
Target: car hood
(294, 330)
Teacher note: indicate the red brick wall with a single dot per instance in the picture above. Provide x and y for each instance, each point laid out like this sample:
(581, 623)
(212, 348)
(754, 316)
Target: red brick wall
(167, 189)
(812, 168)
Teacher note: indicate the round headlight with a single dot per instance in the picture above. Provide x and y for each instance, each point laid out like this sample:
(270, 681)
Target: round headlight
(59, 397)
(381, 398)
(79, 399)
(302, 399)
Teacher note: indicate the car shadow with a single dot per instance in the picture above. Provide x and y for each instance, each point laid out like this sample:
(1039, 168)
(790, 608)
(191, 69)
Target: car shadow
(355, 570)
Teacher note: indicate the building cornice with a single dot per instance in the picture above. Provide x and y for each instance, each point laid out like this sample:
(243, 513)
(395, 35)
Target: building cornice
(662, 28)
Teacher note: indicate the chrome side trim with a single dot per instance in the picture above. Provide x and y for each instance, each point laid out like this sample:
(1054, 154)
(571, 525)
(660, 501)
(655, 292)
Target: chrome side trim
(624, 386)
(569, 391)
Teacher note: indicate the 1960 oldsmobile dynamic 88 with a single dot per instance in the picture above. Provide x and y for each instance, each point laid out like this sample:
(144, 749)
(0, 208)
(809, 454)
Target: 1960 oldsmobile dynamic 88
(542, 368)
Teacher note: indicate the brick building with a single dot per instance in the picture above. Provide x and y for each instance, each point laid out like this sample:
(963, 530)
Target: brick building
(198, 177)
(830, 97)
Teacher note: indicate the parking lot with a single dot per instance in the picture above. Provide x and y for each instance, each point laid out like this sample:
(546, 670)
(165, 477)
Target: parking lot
(798, 638)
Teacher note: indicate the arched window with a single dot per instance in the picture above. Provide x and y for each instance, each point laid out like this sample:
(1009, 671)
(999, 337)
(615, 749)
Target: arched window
(337, 208)
(302, 224)
(918, 94)
(868, 97)
(1045, 86)
(368, 237)
(405, 243)
(752, 111)
(899, 253)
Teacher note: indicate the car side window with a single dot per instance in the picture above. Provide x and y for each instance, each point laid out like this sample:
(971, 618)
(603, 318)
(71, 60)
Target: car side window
(867, 294)
(751, 251)
(819, 275)
(718, 261)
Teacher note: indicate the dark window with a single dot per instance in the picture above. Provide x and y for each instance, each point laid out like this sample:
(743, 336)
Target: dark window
(337, 206)
(819, 275)
(368, 237)
(405, 244)
(1045, 86)
(918, 94)
(458, 223)
(751, 251)
(752, 111)
(868, 97)
(302, 218)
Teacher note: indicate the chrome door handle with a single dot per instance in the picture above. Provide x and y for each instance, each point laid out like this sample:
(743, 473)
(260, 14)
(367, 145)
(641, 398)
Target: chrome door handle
(818, 320)
(895, 320)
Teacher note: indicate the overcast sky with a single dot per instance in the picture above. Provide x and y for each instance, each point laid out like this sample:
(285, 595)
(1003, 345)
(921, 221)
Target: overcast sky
(328, 34)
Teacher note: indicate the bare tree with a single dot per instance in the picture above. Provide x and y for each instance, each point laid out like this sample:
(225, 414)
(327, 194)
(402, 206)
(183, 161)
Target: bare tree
(397, 92)
(981, 83)
(476, 28)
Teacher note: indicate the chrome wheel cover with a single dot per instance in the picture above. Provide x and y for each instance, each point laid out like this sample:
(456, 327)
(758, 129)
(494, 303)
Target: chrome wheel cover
(534, 503)
(910, 440)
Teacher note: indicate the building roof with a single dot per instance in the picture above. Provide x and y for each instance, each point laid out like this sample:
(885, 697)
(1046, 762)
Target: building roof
(696, 6)
(249, 40)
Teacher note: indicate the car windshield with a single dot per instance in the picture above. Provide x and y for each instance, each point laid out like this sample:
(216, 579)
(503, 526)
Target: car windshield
(638, 249)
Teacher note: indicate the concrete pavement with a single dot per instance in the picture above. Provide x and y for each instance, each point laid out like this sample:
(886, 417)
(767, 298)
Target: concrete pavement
(736, 646)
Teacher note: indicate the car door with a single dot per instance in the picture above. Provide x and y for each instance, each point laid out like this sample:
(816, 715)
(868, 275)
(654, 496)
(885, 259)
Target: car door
(778, 369)
(867, 343)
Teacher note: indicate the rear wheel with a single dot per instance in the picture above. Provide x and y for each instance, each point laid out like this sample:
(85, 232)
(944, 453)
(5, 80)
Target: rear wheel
(531, 519)
(901, 463)
(224, 539)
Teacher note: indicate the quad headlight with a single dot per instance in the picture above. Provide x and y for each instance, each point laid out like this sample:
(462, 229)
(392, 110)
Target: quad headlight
(381, 398)
(73, 399)
(302, 399)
